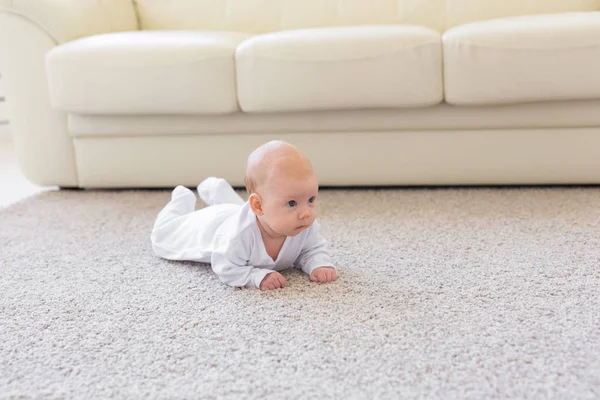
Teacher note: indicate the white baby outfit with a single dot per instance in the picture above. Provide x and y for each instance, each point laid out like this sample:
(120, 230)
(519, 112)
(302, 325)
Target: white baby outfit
(226, 235)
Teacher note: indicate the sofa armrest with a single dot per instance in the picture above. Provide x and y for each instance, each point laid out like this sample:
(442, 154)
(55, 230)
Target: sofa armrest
(66, 20)
(29, 29)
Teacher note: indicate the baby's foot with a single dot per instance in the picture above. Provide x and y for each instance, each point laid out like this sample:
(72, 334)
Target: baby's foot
(181, 191)
(217, 191)
(183, 199)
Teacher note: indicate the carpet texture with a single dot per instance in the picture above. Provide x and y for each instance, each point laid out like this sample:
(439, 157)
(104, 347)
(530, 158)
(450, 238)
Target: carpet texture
(443, 293)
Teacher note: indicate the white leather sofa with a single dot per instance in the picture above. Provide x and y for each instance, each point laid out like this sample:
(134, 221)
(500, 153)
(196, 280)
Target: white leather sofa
(154, 93)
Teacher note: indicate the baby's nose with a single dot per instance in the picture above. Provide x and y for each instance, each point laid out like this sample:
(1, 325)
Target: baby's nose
(303, 214)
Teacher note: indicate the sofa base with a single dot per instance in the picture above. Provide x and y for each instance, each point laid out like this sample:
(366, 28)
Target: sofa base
(401, 158)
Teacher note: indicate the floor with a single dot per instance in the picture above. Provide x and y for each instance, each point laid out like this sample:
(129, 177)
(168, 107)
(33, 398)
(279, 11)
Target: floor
(14, 187)
(467, 293)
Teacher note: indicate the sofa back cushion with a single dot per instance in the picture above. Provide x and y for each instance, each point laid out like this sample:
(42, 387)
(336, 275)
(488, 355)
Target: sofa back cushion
(259, 16)
(459, 12)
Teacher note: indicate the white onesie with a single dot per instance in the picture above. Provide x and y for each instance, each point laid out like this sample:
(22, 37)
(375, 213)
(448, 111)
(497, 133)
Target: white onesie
(228, 237)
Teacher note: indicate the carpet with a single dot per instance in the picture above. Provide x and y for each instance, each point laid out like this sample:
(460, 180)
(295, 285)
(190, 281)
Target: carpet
(443, 293)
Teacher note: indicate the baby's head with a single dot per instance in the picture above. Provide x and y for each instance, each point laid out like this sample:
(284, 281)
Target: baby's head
(283, 188)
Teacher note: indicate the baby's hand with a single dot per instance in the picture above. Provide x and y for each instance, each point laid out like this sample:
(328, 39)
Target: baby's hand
(274, 280)
(324, 275)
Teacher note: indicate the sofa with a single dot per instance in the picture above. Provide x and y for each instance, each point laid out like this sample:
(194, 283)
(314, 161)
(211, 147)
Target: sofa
(157, 93)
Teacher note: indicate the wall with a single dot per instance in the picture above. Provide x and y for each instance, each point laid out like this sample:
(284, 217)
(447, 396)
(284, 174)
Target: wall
(4, 126)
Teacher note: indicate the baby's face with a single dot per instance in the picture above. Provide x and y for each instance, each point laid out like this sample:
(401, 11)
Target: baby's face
(290, 204)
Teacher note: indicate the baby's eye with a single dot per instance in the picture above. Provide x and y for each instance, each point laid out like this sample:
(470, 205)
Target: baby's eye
(311, 200)
(292, 203)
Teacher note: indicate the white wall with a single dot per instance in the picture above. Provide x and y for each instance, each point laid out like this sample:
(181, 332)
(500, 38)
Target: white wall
(4, 125)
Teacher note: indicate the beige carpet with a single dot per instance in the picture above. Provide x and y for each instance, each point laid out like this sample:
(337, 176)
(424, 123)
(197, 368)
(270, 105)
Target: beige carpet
(443, 293)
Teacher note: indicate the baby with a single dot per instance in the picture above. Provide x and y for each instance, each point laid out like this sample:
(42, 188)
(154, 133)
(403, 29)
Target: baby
(247, 243)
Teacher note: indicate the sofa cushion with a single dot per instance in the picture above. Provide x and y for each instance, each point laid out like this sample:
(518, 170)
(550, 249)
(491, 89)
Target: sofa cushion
(523, 59)
(67, 20)
(459, 12)
(146, 72)
(340, 68)
(262, 16)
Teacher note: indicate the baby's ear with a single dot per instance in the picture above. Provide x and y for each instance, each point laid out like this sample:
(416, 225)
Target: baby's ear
(256, 204)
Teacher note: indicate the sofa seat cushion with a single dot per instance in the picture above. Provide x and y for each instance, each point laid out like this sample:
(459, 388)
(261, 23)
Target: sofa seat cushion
(144, 72)
(523, 59)
(340, 68)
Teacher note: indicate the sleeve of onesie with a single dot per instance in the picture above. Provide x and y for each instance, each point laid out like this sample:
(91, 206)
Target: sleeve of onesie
(229, 262)
(315, 253)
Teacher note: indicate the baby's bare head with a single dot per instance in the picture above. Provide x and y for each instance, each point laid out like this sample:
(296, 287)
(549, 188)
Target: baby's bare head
(274, 165)
(283, 188)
